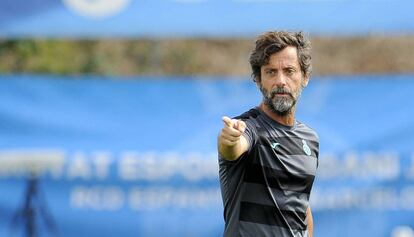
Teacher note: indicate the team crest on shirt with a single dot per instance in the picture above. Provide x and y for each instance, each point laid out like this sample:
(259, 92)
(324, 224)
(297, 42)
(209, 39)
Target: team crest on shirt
(306, 148)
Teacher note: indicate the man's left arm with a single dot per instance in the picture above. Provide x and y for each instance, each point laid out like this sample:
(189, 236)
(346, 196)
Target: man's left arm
(310, 221)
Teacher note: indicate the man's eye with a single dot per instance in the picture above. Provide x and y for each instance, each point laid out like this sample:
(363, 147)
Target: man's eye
(290, 71)
(270, 72)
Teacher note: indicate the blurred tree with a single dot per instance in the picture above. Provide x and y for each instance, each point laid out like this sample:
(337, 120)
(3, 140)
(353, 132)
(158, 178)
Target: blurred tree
(370, 54)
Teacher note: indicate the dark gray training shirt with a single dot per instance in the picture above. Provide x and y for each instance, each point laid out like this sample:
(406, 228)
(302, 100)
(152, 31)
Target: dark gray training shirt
(266, 191)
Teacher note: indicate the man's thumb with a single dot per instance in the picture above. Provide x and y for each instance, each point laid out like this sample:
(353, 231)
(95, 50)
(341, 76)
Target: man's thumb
(240, 125)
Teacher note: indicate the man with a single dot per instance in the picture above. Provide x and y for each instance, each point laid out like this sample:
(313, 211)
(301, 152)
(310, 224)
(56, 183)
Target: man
(267, 159)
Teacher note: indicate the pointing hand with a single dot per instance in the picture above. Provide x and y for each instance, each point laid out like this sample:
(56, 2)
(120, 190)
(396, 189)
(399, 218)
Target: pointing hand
(232, 130)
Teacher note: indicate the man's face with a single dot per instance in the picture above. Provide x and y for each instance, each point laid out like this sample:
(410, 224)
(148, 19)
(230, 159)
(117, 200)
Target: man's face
(282, 81)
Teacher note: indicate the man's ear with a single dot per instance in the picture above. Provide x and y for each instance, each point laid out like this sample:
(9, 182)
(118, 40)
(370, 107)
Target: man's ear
(257, 80)
(305, 81)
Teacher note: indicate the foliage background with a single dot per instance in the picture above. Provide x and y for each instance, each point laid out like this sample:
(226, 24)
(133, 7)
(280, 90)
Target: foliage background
(331, 55)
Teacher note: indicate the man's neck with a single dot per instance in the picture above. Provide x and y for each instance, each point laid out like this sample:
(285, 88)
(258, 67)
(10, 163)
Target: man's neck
(288, 119)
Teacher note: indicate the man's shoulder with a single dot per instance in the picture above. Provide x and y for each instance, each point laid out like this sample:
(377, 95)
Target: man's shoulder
(251, 114)
(307, 129)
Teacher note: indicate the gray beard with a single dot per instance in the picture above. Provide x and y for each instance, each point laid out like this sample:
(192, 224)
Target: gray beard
(280, 105)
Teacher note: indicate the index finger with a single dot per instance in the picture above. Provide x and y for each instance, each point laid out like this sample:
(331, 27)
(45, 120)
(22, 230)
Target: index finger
(227, 121)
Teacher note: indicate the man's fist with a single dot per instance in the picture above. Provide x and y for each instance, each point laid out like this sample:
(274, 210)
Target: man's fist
(232, 130)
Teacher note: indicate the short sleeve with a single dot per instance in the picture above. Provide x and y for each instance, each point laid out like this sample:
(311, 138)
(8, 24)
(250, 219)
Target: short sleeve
(250, 134)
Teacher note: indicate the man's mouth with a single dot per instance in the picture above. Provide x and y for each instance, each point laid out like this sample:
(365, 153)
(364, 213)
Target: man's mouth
(281, 94)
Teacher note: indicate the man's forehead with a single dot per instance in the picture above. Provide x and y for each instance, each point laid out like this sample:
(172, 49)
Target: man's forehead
(287, 55)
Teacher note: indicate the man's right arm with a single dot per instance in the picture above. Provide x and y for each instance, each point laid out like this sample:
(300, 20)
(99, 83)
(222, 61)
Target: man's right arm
(231, 142)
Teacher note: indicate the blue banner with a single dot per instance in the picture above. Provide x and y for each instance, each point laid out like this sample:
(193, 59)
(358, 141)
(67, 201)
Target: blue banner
(93, 157)
(201, 18)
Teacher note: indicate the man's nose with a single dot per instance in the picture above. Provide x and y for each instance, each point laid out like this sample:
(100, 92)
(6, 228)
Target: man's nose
(280, 80)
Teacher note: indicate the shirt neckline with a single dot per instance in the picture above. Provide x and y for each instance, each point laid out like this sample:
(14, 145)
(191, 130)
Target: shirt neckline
(276, 123)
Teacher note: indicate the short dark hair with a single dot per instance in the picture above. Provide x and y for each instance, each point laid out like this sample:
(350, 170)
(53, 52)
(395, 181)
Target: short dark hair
(274, 41)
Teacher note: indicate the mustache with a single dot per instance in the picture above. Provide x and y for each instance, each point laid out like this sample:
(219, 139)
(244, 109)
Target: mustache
(280, 90)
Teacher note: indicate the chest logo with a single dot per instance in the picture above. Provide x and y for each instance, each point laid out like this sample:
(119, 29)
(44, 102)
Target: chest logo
(275, 144)
(306, 148)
